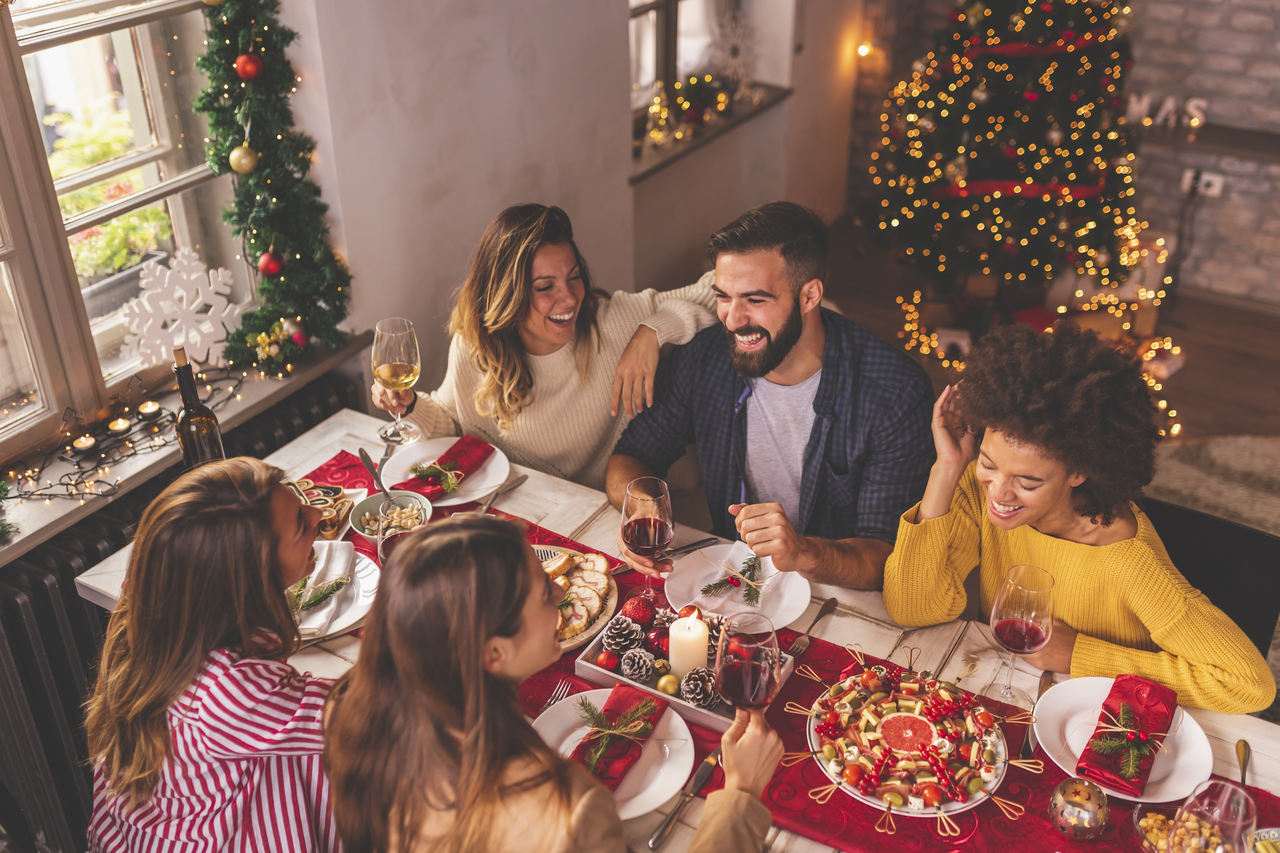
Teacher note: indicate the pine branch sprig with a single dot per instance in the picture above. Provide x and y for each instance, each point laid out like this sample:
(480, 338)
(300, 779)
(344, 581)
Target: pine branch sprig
(631, 723)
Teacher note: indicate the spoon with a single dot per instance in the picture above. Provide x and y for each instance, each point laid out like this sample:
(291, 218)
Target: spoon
(1243, 753)
(367, 461)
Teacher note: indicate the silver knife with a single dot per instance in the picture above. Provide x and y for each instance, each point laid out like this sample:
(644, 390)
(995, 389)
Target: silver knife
(700, 777)
(692, 546)
(1029, 744)
(500, 491)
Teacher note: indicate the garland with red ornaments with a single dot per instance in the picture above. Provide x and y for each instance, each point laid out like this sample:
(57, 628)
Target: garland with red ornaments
(302, 288)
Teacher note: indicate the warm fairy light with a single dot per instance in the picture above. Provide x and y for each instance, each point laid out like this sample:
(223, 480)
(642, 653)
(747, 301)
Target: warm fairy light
(864, 49)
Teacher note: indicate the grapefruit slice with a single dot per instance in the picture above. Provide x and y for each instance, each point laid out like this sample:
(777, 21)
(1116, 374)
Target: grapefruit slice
(906, 733)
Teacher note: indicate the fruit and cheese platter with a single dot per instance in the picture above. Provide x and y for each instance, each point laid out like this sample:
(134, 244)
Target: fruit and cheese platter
(906, 743)
(590, 594)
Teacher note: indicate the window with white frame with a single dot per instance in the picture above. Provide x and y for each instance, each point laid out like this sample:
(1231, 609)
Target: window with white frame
(103, 168)
(670, 40)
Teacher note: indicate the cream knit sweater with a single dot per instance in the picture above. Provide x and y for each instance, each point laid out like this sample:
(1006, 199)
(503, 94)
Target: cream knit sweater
(1135, 613)
(566, 428)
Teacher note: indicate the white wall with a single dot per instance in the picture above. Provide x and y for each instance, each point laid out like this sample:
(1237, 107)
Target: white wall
(436, 115)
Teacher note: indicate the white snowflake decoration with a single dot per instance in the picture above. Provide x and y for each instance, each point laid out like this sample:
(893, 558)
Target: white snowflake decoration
(733, 52)
(181, 305)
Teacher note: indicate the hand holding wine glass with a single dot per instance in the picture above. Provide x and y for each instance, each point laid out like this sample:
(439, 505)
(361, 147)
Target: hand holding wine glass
(396, 367)
(748, 664)
(647, 529)
(1022, 620)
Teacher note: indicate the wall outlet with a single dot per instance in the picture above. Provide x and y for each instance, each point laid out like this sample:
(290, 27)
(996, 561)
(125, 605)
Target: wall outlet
(1207, 184)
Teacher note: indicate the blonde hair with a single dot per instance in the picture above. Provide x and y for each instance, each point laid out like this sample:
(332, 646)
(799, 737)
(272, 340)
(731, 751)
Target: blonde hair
(203, 575)
(495, 298)
(419, 725)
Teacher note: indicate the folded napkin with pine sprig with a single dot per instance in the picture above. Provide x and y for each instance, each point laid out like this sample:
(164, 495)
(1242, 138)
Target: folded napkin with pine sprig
(1131, 729)
(443, 476)
(618, 732)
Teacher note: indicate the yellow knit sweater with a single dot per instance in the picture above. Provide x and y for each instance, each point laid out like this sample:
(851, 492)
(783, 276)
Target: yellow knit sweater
(1135, 613)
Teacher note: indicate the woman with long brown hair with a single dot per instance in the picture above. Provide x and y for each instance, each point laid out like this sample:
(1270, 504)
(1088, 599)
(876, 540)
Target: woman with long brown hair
(526, 318)
(201, 736)
(426, 746)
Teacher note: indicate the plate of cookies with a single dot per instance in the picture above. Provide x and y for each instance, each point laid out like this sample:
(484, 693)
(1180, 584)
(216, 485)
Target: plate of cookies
(590, 594)
(333, 502)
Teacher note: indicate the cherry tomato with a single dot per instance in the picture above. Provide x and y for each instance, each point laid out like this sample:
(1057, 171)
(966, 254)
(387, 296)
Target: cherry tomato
(931, 794)
(853, 774)
(965, 750)
(983, 719)
(870, 680)
(832, 718)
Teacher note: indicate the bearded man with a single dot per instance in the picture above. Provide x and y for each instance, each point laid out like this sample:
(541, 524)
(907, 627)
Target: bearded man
(813, 435)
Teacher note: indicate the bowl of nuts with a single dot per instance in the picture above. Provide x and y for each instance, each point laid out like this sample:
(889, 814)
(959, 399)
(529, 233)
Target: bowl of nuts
(410, 510)
(1219, 817)
(1152, 822)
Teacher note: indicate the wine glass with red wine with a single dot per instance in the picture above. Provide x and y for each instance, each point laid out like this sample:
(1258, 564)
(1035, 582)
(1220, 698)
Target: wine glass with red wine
(748, 666)
(647, 530)
(1021, 619)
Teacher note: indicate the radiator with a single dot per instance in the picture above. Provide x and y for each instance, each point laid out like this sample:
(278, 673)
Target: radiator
(50, 638)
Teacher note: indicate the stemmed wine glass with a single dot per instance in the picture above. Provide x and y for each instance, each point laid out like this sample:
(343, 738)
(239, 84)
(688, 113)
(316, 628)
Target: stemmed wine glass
(748, 665)
(390, 525)
(1218, 816)
(396, 366)
(1021, 619)
(646, 521)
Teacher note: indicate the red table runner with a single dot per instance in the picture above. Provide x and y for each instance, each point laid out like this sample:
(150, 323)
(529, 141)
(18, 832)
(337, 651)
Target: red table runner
(847, 824)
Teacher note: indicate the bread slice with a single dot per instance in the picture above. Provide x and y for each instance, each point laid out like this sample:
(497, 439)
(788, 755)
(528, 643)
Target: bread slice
(558, 565)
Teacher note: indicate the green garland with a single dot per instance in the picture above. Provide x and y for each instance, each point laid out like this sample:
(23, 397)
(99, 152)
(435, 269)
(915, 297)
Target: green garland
(7, 528)
(277, 208)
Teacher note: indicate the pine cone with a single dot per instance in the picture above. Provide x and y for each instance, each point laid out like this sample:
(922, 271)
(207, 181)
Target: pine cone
(622, 634)
(715, 624)
(663, 618)
(699, 687)
(637, 665)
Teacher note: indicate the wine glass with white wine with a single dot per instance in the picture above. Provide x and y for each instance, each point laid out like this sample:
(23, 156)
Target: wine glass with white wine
(396, 367)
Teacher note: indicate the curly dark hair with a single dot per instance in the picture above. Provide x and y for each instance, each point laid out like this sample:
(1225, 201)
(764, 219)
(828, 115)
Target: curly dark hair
(1080, 399)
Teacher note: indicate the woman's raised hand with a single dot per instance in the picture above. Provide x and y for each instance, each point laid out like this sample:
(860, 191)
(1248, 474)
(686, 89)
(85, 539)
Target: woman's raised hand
(391, 401)
(750, 751)
(633, 377)
(953, 441)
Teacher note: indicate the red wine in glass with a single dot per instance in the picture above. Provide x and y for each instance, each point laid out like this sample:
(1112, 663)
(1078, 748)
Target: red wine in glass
(1020, 636)
(388, 544)
(647, 537)
(749, 684)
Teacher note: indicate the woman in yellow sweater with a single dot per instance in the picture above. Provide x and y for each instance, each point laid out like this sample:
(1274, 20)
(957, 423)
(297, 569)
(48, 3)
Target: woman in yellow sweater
(1067, 443)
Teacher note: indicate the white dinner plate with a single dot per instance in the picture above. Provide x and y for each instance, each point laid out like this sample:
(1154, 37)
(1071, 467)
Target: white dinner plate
(475, 486)
(665, 761)
(347, 607)
(610, 604)
(783, 598)
(1067, 714)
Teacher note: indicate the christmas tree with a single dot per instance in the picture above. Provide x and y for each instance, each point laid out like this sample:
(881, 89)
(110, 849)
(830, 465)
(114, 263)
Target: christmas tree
(277, 211)
(1005, 160)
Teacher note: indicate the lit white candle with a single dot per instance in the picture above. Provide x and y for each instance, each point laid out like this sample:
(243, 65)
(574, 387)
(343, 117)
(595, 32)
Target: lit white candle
(84, 443)
(119, 426)
(688, 645)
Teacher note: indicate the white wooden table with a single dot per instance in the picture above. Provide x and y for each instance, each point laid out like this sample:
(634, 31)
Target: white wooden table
(585, 515)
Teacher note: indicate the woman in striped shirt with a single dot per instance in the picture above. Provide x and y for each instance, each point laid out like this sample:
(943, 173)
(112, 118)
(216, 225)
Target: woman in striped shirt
(427, 748)
(201, 736)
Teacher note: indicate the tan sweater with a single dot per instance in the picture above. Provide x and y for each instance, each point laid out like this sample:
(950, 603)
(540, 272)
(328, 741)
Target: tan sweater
(732, 822)
(566, 429)
(1135, 613)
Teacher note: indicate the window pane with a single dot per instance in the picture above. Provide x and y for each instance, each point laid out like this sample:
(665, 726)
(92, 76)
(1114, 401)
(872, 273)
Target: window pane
(18, 393)
(644, 58)
(190, 219)
(696, 22)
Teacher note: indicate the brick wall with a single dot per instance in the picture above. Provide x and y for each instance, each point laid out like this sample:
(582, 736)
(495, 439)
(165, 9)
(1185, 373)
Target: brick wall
(1226, 51)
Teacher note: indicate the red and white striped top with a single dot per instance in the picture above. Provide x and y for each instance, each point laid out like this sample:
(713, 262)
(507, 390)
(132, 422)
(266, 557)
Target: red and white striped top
(244, 773)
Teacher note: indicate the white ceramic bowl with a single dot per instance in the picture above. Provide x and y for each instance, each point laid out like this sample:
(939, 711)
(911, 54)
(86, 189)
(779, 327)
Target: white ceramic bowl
(371, 504)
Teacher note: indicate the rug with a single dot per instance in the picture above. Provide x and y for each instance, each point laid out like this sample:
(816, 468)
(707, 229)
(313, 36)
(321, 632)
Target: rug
(1234, 476)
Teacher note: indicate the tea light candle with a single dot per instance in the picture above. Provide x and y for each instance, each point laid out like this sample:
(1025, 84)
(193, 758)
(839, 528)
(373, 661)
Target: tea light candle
(84, 444)
(148, 410)
(688, 645)
(119, 426)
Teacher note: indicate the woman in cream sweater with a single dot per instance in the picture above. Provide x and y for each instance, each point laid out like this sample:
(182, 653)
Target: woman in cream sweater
(539, 359)
(1068, 445)
(425, 744)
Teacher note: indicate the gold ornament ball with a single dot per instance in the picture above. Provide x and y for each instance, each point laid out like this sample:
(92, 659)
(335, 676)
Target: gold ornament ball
(661, 666)
(669, 684)
(1079, 809)
(243, 159)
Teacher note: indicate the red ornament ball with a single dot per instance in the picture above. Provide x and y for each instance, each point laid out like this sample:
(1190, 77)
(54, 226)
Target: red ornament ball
(1130, 735)
(732, 581)
(1046, 7)
(639, 610)
(1030, 96)
(607, 660)
(690, 610)
(248, 66)
(300, 339)
(270, 264)
(658, 642)
(1143, 736)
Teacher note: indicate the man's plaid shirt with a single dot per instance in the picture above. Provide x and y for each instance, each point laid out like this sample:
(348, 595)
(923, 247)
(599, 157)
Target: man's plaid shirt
(868, 455)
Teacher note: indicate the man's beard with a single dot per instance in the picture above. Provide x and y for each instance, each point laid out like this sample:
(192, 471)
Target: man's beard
(759, 362)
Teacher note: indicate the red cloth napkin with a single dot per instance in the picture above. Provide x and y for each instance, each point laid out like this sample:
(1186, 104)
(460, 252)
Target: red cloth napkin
(1134, 721)
(466, 454)
(623, 752)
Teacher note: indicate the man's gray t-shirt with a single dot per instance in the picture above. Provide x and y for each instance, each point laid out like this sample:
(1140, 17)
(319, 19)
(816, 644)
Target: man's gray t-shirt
(779, 420)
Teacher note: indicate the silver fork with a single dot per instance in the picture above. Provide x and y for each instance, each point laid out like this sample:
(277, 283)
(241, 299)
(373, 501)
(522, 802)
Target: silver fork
(801, 644)
(561, 690)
